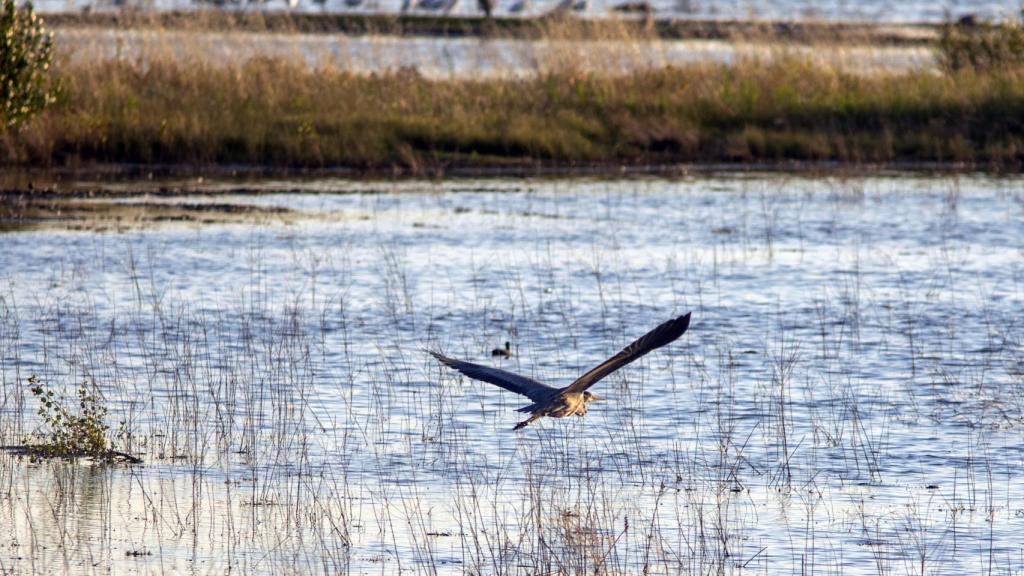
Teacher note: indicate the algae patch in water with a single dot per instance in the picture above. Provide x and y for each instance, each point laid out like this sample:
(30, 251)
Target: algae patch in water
(26, 211)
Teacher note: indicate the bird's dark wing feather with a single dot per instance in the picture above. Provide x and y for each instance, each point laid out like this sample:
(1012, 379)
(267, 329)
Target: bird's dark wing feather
(509, 381)
(654, 339)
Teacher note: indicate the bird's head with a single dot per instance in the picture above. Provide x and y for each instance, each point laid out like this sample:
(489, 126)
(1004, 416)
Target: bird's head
(591, 397)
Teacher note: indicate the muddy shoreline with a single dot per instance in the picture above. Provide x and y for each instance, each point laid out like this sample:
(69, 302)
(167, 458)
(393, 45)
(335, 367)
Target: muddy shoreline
(99, 211)
(94, 181)
(122, 198)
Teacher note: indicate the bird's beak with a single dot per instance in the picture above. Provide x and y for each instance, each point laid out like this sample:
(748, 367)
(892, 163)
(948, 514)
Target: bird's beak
(596, 398)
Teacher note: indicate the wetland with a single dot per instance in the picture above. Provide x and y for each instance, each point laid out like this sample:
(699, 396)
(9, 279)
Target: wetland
(849, 398)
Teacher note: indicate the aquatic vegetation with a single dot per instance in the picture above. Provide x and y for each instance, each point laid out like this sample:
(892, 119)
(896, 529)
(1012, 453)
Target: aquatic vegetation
(19, 211)
(72, 433)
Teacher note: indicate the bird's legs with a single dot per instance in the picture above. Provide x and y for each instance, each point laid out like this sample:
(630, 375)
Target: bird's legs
(527, 422)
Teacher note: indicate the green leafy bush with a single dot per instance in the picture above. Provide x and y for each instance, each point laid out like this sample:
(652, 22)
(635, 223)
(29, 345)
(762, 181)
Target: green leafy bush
(26, 50)
(72, 433)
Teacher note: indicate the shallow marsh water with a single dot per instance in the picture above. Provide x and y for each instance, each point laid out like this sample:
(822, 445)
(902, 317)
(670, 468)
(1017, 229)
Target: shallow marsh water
(465, 57)
(849, 399)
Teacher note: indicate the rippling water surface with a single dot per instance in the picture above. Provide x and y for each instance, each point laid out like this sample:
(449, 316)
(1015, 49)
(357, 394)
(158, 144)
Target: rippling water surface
(849, 398)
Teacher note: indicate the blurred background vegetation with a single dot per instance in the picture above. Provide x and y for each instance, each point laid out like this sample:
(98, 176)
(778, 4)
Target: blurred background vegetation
(168, 106)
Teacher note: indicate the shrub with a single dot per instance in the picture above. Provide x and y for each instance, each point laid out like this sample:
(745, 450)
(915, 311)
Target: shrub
(72, 434)
(26, 50)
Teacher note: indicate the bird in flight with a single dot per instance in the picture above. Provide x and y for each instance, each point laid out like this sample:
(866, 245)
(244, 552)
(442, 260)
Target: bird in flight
(573, 399)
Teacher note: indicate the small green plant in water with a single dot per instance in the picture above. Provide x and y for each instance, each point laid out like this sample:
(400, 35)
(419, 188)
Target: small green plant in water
(72, 433)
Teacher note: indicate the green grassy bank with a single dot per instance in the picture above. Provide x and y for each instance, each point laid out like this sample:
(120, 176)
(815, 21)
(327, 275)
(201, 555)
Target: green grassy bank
(282, 114)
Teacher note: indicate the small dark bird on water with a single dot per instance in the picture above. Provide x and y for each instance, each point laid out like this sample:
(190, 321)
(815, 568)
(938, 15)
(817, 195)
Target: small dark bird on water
(505, 352)
(573, 399)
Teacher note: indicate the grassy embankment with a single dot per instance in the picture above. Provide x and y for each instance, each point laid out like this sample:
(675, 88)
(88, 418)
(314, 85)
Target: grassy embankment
(282, 113)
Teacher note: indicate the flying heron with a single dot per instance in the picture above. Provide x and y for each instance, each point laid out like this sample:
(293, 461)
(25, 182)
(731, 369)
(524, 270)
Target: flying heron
(573, 399)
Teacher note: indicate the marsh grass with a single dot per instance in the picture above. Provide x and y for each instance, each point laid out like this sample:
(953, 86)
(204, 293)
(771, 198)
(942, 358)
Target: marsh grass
(591, 101)
(982, 48)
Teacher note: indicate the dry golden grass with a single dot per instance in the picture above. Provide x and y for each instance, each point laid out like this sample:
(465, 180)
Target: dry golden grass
(284, 113)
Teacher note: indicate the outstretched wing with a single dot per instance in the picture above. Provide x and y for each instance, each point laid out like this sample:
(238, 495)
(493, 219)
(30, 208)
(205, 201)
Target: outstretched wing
(654, 339)
(509, 381)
